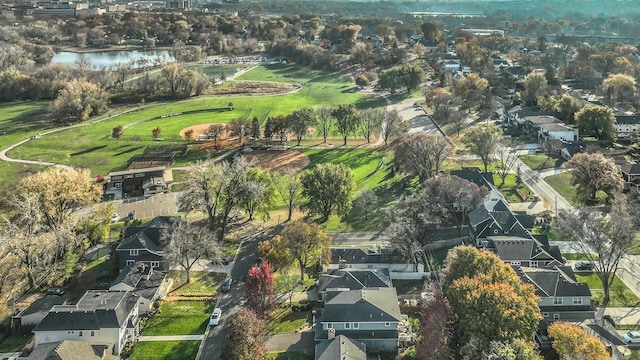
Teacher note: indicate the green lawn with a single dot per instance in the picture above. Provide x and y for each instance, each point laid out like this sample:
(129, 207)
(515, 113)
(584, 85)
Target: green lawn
(562, 184)
(283, 281)
(214, 70)
(576, 256)
(621, 296)
(203, 283)
(541, 161)
(165, 350)
(15, 343)
(288, 355)
(179, 318)
(284, 320)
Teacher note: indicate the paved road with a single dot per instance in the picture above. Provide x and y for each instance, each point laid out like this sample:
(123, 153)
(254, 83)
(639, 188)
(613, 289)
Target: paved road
(216, 337)
(419, 121)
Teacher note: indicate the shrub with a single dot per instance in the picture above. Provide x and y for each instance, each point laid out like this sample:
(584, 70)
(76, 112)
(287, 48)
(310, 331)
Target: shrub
(362, 80)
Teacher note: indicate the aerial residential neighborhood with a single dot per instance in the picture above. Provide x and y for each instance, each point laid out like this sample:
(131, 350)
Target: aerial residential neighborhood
(353, 180)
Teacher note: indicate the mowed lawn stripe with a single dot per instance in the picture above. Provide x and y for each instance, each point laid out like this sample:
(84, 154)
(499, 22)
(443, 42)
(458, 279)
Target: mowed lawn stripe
(179, 318)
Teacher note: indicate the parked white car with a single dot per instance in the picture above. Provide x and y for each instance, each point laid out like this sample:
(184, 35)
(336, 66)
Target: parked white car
(632, 337)
(215, 317)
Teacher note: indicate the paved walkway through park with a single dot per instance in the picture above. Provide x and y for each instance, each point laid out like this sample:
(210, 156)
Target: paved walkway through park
(172, 338)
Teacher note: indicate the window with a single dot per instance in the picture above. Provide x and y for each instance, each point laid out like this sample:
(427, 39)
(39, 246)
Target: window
(557, 301)
(515, 263)
(80, 333)
(347, 325)
(155, 264)
(329, 325)
(556, 316)
(495, 231)
(356, 325)
(387, 324)
(534, 264)
(133, 252)
(93, 333)
(577, 301)
(129, 262)
(545, 315)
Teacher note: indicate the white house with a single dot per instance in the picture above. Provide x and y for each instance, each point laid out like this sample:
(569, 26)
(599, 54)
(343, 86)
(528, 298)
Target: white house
(99, 316)
(557, 131)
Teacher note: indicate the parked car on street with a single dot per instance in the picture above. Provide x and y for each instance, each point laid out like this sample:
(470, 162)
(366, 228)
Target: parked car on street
(583, 265)
(632, 337)
(215, 317)
(226, 285)
(55, 291)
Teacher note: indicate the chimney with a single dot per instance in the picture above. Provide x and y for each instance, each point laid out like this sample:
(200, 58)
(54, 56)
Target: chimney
(331, 334)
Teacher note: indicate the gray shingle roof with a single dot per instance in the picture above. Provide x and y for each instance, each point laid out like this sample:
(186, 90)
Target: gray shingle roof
(96, 309)
(364, 256)
(354, 279)
(146, 236)
(512, 248)
(365, 305)
(556, 281)
(340, 348)
(72, 350)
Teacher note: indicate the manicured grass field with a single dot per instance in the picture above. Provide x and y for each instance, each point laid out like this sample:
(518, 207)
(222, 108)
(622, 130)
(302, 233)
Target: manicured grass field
(621, 296)
(541, 161)
(562, 184)
(202, 283)
(15, 343)
(283, 320)
(165, 350)
(179, 318)
(214, 70)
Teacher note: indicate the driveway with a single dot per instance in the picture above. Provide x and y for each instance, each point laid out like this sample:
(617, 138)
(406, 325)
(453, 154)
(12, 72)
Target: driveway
(302, 341)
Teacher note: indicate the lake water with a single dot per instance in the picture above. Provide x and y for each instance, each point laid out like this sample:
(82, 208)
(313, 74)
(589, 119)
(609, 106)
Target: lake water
(105, 59)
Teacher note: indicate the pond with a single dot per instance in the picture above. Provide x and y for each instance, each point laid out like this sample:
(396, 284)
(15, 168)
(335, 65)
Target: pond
(105, 59)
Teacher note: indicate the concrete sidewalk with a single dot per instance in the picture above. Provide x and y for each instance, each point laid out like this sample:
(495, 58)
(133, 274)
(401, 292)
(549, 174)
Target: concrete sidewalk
(624, 315)
(171, 338)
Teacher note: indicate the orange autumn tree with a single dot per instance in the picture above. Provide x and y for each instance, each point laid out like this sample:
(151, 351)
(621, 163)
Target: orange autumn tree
(572, 342)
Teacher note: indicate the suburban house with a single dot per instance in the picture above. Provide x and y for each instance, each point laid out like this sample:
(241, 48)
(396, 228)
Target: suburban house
(557, 131)
(532, 125)
(144, 244)
(143, 281)
(630, 174)
(562, 297)
(371, 316)
(99, 316)
(340, 348)
(493, 218)
(33, 314)
(627, 124)
(137, 182)
(353, 279)
(398, 266)
(523, 251)
(451, 65)
(72, 350)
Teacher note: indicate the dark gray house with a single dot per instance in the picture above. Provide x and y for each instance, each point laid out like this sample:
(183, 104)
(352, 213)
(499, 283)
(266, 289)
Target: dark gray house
(370, 316)
(144, 282)
(562, 297)
(144, 244)
(523, 251)
(341, 348)
(493, 218)
(353, 279)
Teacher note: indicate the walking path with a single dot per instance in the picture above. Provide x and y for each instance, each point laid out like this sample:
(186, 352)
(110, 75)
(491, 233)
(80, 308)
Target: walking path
(171, 338)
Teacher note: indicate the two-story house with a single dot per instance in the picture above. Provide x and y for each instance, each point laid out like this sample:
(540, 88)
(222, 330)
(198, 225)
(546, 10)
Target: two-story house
(145, 244)
(532, 124)
(562, 297)
(137, 182)
(493, 218)
(353, 279)
(143, 281)
(557, 131)
(627, 124)
(370, 316)
(363, 259)
(99, 316)
(523, 251)
(630, 175)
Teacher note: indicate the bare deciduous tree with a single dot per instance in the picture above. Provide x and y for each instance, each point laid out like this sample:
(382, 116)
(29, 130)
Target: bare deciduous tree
(422, 155)
(289, 188)
(324, 121)
(603, 238)
(187, 243)
(507, 158)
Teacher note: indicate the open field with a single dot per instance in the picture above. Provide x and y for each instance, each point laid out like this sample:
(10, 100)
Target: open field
(165, 350)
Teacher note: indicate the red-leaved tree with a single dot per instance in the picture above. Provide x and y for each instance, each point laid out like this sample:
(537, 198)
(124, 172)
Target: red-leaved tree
(259, 288)
(436, 328)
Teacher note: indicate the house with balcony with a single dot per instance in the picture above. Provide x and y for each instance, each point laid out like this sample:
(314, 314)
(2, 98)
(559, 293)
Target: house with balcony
(137, 182)
(562, 297)
(144, 244)
(99, 316)
(143, 281)
(370, 316)
(398, 266)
